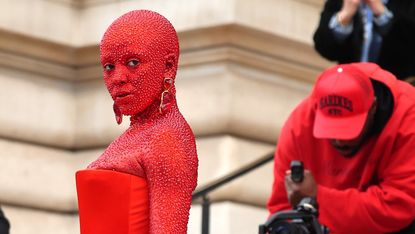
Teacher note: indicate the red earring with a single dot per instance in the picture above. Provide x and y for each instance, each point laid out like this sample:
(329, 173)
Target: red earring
(117, 112)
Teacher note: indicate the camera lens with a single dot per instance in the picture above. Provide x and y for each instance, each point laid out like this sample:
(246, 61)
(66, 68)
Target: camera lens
(282, 229)
(290, 228)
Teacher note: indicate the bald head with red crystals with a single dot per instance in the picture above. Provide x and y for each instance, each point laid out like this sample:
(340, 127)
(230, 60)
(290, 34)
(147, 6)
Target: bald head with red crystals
(138, 51)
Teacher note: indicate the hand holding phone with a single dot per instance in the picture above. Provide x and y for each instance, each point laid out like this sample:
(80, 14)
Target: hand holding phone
(297, 171)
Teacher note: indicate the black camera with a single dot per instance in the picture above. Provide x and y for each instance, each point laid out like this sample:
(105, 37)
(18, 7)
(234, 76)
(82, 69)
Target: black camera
(302, 220)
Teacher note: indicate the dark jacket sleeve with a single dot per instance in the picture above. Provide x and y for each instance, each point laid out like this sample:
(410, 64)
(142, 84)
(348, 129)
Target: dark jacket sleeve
(326, 44)
(403, 10)
(4, 224)
(398, 47)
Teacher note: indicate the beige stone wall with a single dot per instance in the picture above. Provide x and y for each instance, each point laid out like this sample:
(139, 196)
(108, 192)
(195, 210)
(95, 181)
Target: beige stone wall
(244, 65)
(80, 23)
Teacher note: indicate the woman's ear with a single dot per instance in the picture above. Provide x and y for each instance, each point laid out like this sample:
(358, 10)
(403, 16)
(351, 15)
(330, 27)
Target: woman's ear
(170, 65)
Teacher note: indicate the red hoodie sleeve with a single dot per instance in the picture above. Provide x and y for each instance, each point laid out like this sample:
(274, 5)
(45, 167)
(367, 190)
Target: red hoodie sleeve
(286, 151)
(278, 200)
(386, 207)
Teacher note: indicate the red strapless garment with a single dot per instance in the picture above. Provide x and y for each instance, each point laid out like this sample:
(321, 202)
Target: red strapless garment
(112, 202)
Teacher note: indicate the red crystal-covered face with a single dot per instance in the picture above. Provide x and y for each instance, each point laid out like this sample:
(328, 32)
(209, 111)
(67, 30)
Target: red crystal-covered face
(138, 51)
(133, 76)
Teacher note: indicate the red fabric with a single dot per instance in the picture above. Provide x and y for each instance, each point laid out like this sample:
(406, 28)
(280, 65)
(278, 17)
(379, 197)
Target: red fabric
(371, 192)
(112, 202)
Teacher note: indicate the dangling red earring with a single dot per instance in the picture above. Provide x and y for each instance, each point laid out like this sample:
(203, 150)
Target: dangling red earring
(165, 100)
(117, 112)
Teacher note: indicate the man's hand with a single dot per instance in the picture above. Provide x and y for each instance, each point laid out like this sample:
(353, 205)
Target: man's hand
(297, 191)
(377, 6)
(349, 9)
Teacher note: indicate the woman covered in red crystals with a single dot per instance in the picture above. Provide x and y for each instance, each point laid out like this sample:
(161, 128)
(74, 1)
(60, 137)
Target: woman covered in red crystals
(144, 180)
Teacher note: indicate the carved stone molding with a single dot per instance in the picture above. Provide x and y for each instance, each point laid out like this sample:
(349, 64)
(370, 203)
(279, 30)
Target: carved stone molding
(197, 46)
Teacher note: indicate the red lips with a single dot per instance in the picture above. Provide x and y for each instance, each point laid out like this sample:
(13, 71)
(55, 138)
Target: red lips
(122, 94)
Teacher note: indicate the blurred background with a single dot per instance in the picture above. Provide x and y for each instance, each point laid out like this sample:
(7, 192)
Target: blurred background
(244, 65)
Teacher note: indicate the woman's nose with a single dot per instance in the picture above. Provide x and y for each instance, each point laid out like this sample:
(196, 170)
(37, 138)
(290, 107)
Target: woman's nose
(120, 77)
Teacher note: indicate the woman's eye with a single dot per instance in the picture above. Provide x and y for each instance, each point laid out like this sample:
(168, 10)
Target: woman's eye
(133, 63)
(109, 67)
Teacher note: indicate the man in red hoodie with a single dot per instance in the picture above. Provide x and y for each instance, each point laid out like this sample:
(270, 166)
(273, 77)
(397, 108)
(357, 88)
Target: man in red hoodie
(355, 135)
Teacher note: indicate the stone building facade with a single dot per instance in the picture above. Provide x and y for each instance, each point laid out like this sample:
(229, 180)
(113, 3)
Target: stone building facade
(244, 65)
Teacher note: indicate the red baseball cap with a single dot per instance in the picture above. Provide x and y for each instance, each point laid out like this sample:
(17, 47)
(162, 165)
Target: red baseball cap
(343, 96)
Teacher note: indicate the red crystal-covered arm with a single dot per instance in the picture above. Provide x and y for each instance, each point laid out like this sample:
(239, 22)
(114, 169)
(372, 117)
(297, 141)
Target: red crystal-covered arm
(171, 172)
